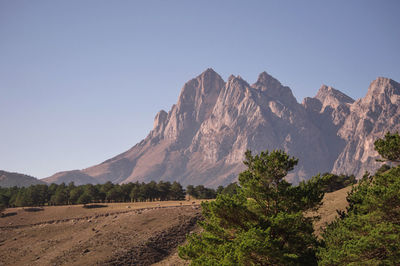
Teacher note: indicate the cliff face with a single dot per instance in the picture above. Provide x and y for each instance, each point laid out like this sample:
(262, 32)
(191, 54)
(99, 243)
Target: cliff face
(202, 139)
(370, 118)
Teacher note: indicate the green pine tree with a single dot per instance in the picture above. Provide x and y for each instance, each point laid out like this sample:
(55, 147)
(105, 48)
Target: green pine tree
(369, 232)
(263, 223)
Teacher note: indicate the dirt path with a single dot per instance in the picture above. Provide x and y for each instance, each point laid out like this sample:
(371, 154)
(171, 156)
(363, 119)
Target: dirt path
(138, 237)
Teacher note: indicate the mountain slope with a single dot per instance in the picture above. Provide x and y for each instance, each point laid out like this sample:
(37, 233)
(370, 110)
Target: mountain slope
(370, 118)
(8, 179)
(202, 139)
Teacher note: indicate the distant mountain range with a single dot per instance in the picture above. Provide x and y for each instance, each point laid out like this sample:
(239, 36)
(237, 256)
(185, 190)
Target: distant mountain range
(8, 179)
(202, 139)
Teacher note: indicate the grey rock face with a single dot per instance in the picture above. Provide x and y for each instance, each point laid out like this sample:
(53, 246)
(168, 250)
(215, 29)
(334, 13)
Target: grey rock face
(202, 139)
(370, 118)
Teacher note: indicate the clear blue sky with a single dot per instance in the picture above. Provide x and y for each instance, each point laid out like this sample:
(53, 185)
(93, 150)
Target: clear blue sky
(81, 81)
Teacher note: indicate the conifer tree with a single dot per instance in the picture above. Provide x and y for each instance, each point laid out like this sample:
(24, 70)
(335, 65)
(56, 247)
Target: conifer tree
(389, 147)
(368, 233)
(263, 223)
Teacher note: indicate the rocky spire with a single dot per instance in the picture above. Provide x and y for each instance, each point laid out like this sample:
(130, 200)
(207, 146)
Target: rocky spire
(382, 89)
(329, 96)
(274, 89)
(195, 103)
(266, 81)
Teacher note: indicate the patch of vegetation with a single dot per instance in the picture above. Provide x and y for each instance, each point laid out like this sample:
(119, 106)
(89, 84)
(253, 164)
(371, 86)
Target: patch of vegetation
(332, 182)
(201, 192)
(369, 232)
(261, 221)
(41, 195)
(261, 224)
(94, 206)
(33, 209)
(389, 147)
(231, 189)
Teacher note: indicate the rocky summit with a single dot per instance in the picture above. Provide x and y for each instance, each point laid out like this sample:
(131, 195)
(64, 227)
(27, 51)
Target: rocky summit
(202, 139)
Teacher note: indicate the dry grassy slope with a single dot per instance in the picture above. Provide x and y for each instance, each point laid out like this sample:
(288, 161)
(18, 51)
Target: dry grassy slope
(122, 233)
(114, 235)
(331, 202)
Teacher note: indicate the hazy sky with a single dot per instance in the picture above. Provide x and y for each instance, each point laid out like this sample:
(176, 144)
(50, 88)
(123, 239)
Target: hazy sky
(81, 81)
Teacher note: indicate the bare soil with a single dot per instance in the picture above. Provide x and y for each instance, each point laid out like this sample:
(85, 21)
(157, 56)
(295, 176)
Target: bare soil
(118, 234)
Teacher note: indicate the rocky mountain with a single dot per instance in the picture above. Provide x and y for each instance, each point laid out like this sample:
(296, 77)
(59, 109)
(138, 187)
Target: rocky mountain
(202, 139)
(370, 118)
(8, 179)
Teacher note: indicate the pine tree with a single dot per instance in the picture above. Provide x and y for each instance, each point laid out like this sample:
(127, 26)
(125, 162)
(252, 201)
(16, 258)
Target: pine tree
(369, 232)
(263, 223)
(389, 147)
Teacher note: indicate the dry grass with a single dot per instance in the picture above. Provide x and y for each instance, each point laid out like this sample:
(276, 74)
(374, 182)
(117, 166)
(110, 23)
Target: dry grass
(73, 235)
(15, 217)
(328, 211)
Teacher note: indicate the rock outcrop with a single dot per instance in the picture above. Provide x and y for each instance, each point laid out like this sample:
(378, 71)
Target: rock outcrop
(202, 139)
(369, 118)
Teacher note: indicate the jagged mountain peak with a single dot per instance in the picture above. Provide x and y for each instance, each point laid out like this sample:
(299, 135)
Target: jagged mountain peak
(202, 84)
(384, 81)
(383, 85)
(160, 119)
(209, 71)
(331, 97)
(266, 81)
(202, 138)
(273, 89)
(209, 75)
(237, 79)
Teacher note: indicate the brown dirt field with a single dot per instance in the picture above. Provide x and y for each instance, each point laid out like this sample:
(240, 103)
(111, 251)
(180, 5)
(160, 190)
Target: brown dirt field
(120, 234)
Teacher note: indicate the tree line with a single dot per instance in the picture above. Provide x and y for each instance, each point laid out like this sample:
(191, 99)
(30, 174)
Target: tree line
(63, 194)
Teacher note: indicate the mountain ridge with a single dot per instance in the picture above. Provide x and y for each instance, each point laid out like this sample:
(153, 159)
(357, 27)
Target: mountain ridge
(203, 137)
(11, 179)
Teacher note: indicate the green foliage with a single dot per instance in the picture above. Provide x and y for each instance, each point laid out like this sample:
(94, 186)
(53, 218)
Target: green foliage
(201, 192)
(230, 189)
(369, 232)
(177, 192)
(334, 182)
(60, 196)
(4, 200)
(75, 194)
(85, 198)
(263, 222)
(39, 195)
(114, 194)
(190, 191)
(389, 147)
